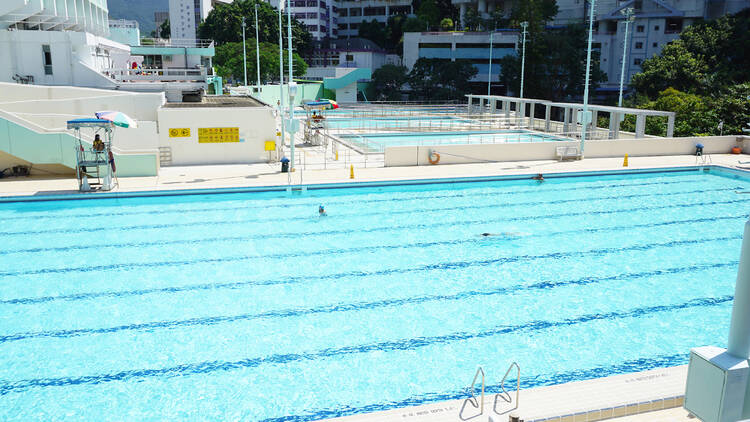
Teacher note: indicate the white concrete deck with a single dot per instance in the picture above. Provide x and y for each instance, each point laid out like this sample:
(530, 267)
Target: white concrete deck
(581, 401)
(227, 176)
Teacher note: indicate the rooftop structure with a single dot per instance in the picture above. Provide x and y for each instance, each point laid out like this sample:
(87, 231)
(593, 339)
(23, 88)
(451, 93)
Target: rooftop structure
(320, 17)
(62, 15)
(186, 15)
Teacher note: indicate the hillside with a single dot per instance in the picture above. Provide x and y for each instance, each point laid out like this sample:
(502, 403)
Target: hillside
(139, 10)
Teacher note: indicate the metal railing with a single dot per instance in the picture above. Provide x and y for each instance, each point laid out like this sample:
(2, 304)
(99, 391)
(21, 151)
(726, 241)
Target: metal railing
(504, 393)
(176, 42)
(161, 75)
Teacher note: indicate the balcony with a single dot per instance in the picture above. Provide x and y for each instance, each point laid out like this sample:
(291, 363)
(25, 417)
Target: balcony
(157, 75)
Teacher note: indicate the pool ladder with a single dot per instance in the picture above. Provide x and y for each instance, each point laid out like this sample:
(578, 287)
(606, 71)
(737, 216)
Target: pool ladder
(478, 402)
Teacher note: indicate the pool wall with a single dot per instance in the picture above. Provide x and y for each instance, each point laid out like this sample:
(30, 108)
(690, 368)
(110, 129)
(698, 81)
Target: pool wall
(530, 151)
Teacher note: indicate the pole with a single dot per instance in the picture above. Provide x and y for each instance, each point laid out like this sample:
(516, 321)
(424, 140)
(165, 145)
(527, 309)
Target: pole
(257, 47)
(524, 25)
(586, 86)
(281, 75)
(291, 74)
(489, 70)
(628, 17)
(739, 327)
(244, 50)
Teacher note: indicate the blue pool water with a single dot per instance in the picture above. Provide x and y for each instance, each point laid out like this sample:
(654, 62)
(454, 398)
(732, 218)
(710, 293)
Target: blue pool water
(250, 306)
(378, 141)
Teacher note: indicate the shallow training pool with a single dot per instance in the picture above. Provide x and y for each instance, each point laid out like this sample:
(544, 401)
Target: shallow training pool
(378, 141)
(436, 122)
(250, 306)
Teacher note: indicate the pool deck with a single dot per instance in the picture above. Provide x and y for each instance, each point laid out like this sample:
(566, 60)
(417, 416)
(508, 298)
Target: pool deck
(635, 395)
(251, 175)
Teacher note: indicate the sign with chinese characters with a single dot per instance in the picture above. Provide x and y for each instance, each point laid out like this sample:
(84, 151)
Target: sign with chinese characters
(213, 135)
(179, 132)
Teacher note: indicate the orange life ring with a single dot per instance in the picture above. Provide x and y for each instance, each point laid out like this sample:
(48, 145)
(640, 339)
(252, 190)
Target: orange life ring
(433, 154)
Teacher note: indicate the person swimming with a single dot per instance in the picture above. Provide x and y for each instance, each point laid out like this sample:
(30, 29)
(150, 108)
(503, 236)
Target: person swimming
(539, 177)
(503, 234)
(321, 211)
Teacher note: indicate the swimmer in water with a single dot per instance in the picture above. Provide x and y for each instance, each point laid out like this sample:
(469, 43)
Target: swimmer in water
(539, 177)
(321, 211)
(503, 234)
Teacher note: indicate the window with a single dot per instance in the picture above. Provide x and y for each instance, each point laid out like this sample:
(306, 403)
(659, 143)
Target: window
(374, 11)
(312, 3)
(312, 28)
(655, 45)
(355, 12)
(349, 57)
(673, 26)
(343, 26)
(399, 10)
(322, 5)
(47, 59)
(611, 27)
(344, 13)
(638, 4)
(637, 62)
(640, 28)
(656, 28)
(353, 26)
(638, 45)
(434, 45)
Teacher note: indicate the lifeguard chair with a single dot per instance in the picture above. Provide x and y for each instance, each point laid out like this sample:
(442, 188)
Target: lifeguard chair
(315, 124)
(94, 161)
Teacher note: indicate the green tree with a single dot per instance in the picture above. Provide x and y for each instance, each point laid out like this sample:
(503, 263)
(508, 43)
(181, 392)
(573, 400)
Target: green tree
(446, 24)
(708, 56)
(472, 20)
(414, 24)
(387, 82)
(439, 79)
(374, 32)
(224, 24)
(228, 61)
(165, 31)
(429, 12)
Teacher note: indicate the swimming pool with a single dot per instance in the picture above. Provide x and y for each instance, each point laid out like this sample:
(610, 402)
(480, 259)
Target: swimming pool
(250, 306)
(377, 142)
(417, 122)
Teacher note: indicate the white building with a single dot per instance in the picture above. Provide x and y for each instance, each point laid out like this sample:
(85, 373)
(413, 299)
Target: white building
(353, 12)
(657, 22)
(56, 42)
(320, 17)
(186, 15)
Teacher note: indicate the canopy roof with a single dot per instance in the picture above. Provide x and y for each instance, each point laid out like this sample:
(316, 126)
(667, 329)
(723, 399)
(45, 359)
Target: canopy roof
(95, 123)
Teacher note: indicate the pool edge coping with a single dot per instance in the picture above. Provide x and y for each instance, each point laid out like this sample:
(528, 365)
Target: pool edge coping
(345, 185)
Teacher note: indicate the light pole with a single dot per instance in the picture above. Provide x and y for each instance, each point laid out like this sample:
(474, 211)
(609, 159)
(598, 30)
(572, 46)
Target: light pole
(244, 51)
(524, 25)
(291, 80)
(281, 76)
(629, 17)
(585, 118)
(257, 47)
(489, 70)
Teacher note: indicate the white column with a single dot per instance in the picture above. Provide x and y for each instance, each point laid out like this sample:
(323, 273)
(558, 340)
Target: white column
(670, 126)
(462, 13)
(640, 126)
(482, 6)
(547, 113)
(739, 327)
(566, 120)
(469, 104)
(614, 125)
(493, 105)
(506, 106)
(531, 115)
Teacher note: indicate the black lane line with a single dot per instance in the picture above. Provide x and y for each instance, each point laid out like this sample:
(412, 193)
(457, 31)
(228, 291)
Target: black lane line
(356, 306)
(206, 367)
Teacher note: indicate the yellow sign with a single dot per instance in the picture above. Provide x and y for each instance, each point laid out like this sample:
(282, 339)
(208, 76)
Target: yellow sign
(212, 135)
(270, 145)
(179, 132)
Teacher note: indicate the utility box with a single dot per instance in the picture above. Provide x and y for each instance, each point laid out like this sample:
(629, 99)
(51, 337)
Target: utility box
(716, 385)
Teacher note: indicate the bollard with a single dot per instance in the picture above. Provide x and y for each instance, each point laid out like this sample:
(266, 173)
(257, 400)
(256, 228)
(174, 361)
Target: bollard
(351, 171)
(625, 161)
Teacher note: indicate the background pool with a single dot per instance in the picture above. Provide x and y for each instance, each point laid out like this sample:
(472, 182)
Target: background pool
(378, 141)
(250, 306)
(395, 122)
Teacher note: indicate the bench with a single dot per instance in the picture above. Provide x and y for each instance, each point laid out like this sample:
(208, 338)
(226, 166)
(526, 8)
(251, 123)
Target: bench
(566, 152)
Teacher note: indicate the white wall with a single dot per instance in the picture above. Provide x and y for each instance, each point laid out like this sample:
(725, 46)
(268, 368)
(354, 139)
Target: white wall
(256, 125)
(77, 57)
(530, 151)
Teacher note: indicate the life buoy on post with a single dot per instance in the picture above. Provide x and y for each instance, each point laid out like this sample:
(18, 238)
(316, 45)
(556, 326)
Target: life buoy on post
(112, 161)
(433, 157)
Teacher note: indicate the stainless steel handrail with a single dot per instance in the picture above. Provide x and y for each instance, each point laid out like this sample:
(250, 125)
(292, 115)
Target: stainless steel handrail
(470, 390)
(504, 394)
